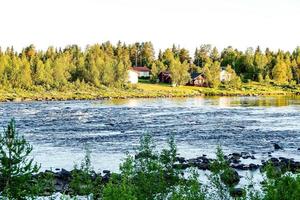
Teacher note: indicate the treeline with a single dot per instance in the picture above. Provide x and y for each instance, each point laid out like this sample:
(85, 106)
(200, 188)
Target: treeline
(107, 64)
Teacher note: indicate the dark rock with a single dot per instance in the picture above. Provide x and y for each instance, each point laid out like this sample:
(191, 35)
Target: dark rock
(253, 167)
(235, 161)
(106, 177)
(180, 159)
(274, 160)
(64, 173)
(203, 166)
(236, 155)
(276, 146)
(246, 155)
(106, 172)
(94, 175)
(298, 149)
(181, 166)
(239, 166)
(237, 192)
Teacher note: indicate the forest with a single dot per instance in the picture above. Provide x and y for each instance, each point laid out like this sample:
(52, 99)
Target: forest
(106, 65)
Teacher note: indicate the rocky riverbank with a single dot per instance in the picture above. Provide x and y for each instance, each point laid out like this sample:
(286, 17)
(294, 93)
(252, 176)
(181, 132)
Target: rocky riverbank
(62, 178)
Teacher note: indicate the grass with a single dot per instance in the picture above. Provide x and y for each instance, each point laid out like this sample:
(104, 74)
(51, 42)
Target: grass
(142, 90)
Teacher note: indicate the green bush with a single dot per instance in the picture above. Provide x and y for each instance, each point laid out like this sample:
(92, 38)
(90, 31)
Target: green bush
(16, 169)
(150, 175)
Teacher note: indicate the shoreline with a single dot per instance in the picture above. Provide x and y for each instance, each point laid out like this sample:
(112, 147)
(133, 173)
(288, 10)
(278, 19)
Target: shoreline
(237, 162)
(141, 90)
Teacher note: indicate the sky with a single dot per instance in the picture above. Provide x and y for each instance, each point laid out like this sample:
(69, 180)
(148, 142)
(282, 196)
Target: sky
(187, 23)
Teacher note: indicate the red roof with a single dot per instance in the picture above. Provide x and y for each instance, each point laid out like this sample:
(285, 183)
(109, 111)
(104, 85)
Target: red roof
(141, 69)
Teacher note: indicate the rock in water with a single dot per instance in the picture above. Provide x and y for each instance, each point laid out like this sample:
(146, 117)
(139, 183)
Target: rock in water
(277, 147)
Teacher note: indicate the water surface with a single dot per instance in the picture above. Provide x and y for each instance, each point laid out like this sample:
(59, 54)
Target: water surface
(110, 128)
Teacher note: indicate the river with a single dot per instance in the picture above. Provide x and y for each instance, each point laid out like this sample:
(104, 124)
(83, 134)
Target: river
(60, 130)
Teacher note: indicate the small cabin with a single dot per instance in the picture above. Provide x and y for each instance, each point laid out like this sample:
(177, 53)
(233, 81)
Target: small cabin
(224, 75)
(165, 77)
(198, 79)
(133, 76)
(143, 72)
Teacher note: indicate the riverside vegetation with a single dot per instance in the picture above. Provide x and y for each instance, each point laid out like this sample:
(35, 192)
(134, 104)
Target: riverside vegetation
(149, 174)
(100, 71)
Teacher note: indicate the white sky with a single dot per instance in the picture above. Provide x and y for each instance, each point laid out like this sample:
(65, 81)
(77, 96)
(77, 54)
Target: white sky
(188, 23)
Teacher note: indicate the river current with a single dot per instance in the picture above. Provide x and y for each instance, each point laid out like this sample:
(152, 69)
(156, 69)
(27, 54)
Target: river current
(60, 130)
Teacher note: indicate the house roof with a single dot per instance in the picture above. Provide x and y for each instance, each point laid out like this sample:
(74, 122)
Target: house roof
(165, 72)
(141, 69)
(195, 75)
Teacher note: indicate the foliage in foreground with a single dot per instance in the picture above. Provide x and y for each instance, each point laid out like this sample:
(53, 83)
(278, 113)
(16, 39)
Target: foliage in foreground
(16, 169)
(151, 175)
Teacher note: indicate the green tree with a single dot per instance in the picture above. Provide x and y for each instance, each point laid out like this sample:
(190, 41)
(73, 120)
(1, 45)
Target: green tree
(60, 71)
(154, 72)
(179, 72)
(168, 57)
(280, 72)
(234, 81)
(201, 56)
(212, 74)
(229, 56)
(40, 77)
(16, 169)
(120, 72)
(214, 55)
(260, 63)
(82, 182)
(184, 55)
(147, 54)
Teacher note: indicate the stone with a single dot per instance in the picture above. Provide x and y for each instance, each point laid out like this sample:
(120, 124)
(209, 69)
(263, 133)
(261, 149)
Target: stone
(180, 159)
(253, 167)
(277, 146)
(106, 172)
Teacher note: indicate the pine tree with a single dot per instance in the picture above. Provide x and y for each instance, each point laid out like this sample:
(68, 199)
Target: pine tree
(147, 54)
(16, 169)
(260, 63)
(214, 55)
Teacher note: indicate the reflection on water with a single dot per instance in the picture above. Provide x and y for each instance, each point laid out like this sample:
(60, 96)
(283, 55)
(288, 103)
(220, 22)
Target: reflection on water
(223, 102)
(60, 130)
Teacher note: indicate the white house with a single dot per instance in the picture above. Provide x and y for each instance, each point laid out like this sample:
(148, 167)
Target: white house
(142, 71)
(224, 75)
(133, 76)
